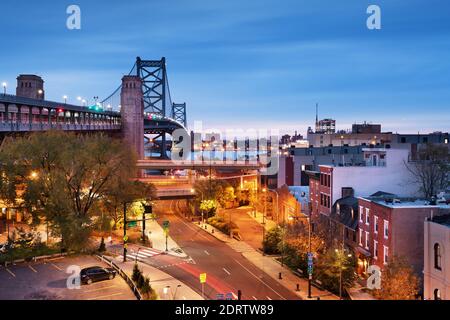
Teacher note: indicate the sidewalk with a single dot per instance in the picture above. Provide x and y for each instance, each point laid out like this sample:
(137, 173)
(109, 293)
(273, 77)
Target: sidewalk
(159, 280)
(158, 238)
(269, 224)
(270, 266)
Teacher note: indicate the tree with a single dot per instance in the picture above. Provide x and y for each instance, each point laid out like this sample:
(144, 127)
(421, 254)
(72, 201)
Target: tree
(331, 264)
(430, 169)
(398, 281)
(125, 190)
(65, 176)
(272, 240)
(208, 207)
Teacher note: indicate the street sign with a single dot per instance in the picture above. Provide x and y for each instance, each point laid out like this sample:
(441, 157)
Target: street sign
(166, 224)
(148, 209)
(125, 238)
(202, 277)
(132, 224)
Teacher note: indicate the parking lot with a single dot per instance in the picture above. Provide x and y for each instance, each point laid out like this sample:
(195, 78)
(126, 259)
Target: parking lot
(47, 280)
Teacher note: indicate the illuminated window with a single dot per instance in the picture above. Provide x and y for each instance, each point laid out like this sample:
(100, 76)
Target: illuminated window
(437, 256)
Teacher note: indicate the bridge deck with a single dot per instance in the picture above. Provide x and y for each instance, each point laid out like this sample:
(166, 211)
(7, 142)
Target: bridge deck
(187, 164)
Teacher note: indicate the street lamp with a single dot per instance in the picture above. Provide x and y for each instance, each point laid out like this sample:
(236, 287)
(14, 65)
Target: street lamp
(33, 175)
(176, 289)
(65, 99)
(166, 290)
(4, 84)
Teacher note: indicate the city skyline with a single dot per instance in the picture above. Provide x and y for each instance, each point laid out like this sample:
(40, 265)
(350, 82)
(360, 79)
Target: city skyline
(225, 60)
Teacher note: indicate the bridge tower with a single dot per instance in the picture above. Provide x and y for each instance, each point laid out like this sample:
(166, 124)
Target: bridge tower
(132, 112)
(30, 86)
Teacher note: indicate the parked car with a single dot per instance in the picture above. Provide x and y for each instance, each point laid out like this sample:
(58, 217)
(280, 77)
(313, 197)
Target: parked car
(93, 274)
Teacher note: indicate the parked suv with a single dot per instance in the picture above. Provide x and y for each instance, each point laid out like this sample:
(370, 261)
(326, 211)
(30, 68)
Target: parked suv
(93, 274)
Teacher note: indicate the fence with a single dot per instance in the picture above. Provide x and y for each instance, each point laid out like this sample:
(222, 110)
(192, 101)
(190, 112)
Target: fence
(122, 273)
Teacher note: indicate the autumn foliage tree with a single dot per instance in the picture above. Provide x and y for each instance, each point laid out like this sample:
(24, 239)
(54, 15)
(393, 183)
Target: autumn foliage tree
(398, 281)
(65, 178)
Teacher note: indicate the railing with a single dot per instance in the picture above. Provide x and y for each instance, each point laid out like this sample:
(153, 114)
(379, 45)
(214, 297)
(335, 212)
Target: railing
(123, 274)
(13, 99)
(16, 126)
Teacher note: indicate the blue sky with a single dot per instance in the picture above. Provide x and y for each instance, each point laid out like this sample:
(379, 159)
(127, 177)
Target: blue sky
(259, 64)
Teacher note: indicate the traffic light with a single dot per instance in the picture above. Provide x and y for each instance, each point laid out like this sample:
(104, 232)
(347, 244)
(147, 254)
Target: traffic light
(148, 209)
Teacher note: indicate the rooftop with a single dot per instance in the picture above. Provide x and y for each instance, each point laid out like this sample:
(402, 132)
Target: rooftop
(444, 220)
(393, 201)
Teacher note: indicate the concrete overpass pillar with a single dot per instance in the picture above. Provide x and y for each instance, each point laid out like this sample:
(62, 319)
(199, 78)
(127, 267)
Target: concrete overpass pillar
(132, 112)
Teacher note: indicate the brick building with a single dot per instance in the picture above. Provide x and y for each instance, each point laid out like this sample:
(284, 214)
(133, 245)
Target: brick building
(392, 226)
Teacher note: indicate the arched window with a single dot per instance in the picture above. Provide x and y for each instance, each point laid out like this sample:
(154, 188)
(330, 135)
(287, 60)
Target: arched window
(437, 256)
(437, 294)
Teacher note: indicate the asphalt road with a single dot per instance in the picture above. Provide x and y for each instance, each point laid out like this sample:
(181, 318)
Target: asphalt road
(227, 270)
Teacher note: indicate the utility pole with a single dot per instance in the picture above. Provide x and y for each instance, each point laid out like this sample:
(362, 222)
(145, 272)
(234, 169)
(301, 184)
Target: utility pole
(309, 246)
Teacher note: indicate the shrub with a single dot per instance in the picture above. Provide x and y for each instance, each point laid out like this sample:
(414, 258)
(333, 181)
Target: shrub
(102, 247)
(272, 240)
(222, 225)
(136, 273)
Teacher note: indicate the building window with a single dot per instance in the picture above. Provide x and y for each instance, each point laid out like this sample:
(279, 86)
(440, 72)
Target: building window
(386, 229)
(375, 249)
(375, 224)
(360, 237)
(361, 213)
(385, 254)
(437, 294)
(367, 240)
(367, 216)
(437, 256)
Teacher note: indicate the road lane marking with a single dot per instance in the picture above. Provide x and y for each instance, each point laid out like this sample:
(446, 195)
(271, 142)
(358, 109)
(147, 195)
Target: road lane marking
(107, 296)
(254, 298)
(259, 279)
(10, 272)
(56, 267)
(33, 269)
(206, 252)
(93, 290)
(234, 296)
(228, 272)
(268, 298)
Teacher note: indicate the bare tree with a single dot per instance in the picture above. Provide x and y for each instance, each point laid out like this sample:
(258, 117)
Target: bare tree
(430, 169)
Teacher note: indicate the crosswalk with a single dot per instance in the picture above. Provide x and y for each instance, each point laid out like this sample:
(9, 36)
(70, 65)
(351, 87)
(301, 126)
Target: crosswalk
(141, 254)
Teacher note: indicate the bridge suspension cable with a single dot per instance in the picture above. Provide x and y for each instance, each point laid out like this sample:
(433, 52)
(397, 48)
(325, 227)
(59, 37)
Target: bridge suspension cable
(112, 102)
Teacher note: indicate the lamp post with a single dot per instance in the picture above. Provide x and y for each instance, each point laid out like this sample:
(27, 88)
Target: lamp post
(65, 99)
(4, 84)
(176, 289)
(278, 210)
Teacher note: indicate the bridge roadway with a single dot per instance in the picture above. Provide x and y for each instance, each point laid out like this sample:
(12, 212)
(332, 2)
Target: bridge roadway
(26, 114)
(195, 164)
